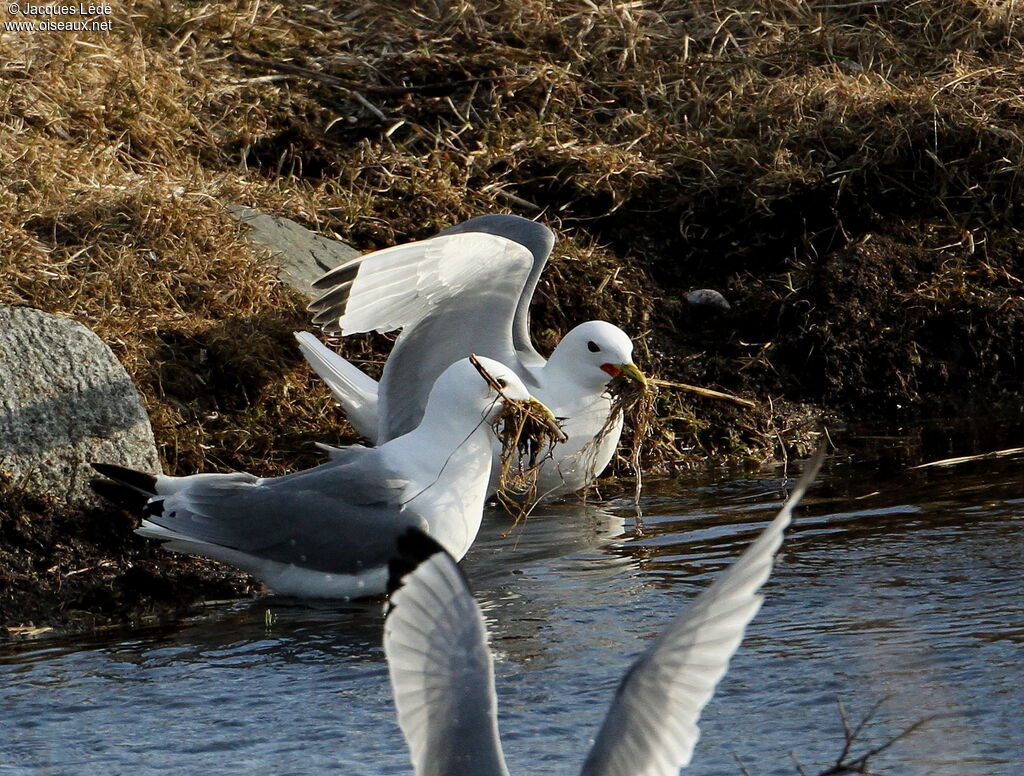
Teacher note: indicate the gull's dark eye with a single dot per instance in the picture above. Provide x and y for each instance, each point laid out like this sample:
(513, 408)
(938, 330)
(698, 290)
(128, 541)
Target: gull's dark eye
(502, 382)
(593, 347)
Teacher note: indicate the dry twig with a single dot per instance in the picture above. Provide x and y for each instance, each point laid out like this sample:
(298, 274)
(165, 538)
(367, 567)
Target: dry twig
(528, 433)
(846, 763)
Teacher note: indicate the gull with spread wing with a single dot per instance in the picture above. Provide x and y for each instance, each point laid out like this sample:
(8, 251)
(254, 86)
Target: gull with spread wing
(328, 532)
(468, 290)
(442, 672)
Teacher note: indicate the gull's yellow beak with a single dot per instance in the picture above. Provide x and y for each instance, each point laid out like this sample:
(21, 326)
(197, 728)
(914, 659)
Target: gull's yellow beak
(629, 371)
(547, 417)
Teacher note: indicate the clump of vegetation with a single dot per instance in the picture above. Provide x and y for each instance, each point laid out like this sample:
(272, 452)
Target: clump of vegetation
(848, 175)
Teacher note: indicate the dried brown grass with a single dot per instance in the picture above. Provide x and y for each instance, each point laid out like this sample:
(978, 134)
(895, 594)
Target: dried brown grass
(751, 139)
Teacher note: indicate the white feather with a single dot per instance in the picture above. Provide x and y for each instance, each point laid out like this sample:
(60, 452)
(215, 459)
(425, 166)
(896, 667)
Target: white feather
(352, 388)
(651, 727)
(442, 674)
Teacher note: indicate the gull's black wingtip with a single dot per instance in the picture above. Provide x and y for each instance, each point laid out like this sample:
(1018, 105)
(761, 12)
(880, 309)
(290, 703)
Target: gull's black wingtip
(123, 496)
(126, 488)
(337, 276)
(412, 548)
(145, 483)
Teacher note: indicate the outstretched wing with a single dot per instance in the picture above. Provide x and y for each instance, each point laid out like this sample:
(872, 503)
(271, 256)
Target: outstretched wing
(441, 670)
(465, 291)
(397, 287)
(539, 240)
(651, 727)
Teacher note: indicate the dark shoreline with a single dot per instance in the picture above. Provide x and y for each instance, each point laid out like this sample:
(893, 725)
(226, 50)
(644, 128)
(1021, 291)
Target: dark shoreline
(67, 571)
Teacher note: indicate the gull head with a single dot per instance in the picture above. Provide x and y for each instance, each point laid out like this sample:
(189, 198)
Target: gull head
(465, 388)
(597, 352)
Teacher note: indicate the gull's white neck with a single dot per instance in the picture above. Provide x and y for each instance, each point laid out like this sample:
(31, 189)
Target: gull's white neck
(564, 380)
(447, 461)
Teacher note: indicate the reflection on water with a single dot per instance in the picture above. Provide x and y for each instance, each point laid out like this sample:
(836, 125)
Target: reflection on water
(894, 584)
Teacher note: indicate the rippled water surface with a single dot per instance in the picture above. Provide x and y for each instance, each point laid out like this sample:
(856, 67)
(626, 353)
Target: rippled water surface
(893, 584)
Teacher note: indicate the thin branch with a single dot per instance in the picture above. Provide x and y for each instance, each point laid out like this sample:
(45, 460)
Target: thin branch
(706, 392)
(859, 763)
(966, 458)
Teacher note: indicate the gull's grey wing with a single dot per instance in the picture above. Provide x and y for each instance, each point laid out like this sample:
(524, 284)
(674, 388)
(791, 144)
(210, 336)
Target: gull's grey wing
(442, 674)
(426, 349)
(336, 518)
(539, 240)
(465, 291)
(651, 727)
(342, 455)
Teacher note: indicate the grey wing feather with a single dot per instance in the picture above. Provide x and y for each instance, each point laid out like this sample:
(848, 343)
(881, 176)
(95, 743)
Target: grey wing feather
(539, 240)
(468, 324)
(651, 727)
(335, 518)
(442, 674)
(466, 290)
(342, 455)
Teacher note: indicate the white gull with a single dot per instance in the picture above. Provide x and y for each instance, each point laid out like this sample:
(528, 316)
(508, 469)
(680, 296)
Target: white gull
(328, 531)
(468, 290)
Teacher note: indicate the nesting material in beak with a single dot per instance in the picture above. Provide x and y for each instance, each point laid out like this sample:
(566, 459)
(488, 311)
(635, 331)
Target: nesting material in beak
(528, 432)
(632, 372)
(629, 390)
(633, 399)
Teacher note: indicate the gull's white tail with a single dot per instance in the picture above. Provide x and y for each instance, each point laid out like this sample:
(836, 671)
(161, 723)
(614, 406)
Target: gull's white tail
(352, 388)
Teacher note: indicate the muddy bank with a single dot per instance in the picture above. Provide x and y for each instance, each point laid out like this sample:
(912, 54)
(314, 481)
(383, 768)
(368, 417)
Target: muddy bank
(66, 570)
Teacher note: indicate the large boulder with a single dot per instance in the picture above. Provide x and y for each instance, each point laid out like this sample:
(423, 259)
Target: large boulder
(302, 255)
(65, 400)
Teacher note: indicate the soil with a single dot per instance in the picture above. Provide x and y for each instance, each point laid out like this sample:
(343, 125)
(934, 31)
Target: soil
(65, 570)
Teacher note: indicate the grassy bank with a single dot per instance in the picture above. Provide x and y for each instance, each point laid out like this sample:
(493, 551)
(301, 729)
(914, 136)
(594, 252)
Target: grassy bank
(848, 175)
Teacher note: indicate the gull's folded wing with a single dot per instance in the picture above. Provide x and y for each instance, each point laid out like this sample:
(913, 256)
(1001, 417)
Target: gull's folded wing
(651, 727)
(334, 518)
(441, 670)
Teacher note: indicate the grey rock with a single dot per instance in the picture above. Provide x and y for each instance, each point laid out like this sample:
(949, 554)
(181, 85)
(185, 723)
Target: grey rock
(65, 400)
(708, 297)
(303, 255)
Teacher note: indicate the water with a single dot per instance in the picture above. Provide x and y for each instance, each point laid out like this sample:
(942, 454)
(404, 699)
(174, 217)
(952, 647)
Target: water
(912, 595)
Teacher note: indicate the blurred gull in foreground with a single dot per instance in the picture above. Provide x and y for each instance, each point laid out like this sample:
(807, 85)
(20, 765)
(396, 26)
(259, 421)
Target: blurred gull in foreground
(328, 531)
(468, 290)
(442, 672)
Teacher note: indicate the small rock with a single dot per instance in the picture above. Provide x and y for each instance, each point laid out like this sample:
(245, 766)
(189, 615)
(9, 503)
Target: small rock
(65, 400)
(303, 255)
(707, 297)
